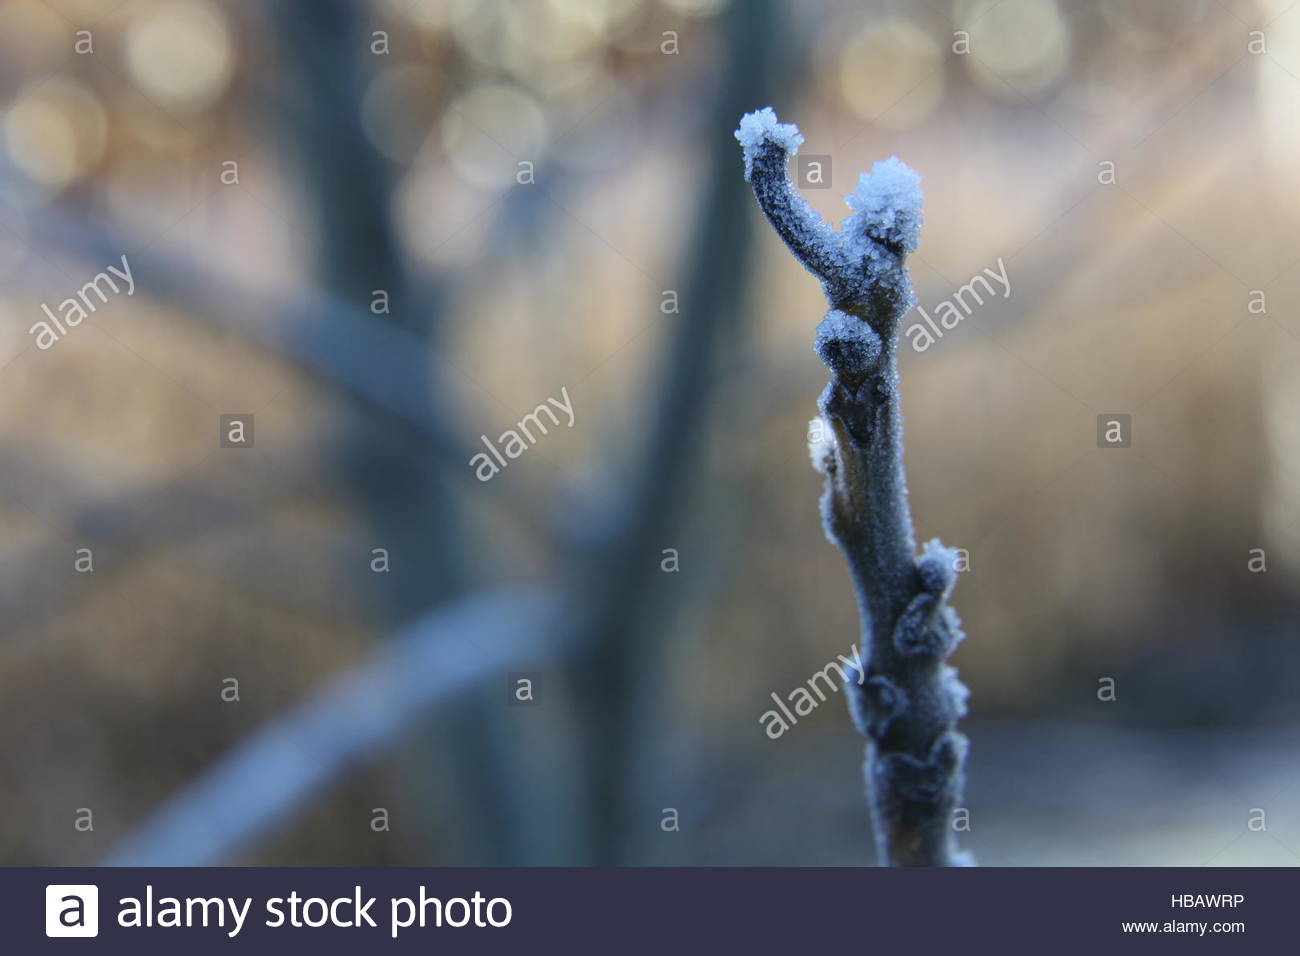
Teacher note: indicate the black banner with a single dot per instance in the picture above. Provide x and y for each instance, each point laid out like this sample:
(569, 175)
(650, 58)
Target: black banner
(661, 910)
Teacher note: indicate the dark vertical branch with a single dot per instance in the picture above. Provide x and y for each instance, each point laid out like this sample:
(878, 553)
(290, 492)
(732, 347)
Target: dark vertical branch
(350, 186)
(619, 578)
(409, 506)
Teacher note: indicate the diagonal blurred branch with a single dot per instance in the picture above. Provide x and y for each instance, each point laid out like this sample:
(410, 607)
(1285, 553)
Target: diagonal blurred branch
(34, 585)
(385, 367)
(282, 766)
(337, 342)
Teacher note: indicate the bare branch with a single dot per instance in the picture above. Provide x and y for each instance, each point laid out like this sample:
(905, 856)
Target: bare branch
(279, 768)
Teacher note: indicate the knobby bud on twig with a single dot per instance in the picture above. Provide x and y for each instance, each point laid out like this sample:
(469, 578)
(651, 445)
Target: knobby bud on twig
(909, 704)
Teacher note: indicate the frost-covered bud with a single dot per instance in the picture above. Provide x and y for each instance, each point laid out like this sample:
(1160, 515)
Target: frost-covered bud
(958, 692)
(874, 705)
(938, 775)
(927, 627)
(937, 567)
(821, 445)
(760, 128)
(887, 206)
(848, 345)
(916, 631)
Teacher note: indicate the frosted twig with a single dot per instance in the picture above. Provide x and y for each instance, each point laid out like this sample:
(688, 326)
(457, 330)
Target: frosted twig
(910, 702)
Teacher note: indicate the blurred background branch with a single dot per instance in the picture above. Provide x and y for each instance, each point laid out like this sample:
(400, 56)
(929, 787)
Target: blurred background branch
(285, 764)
